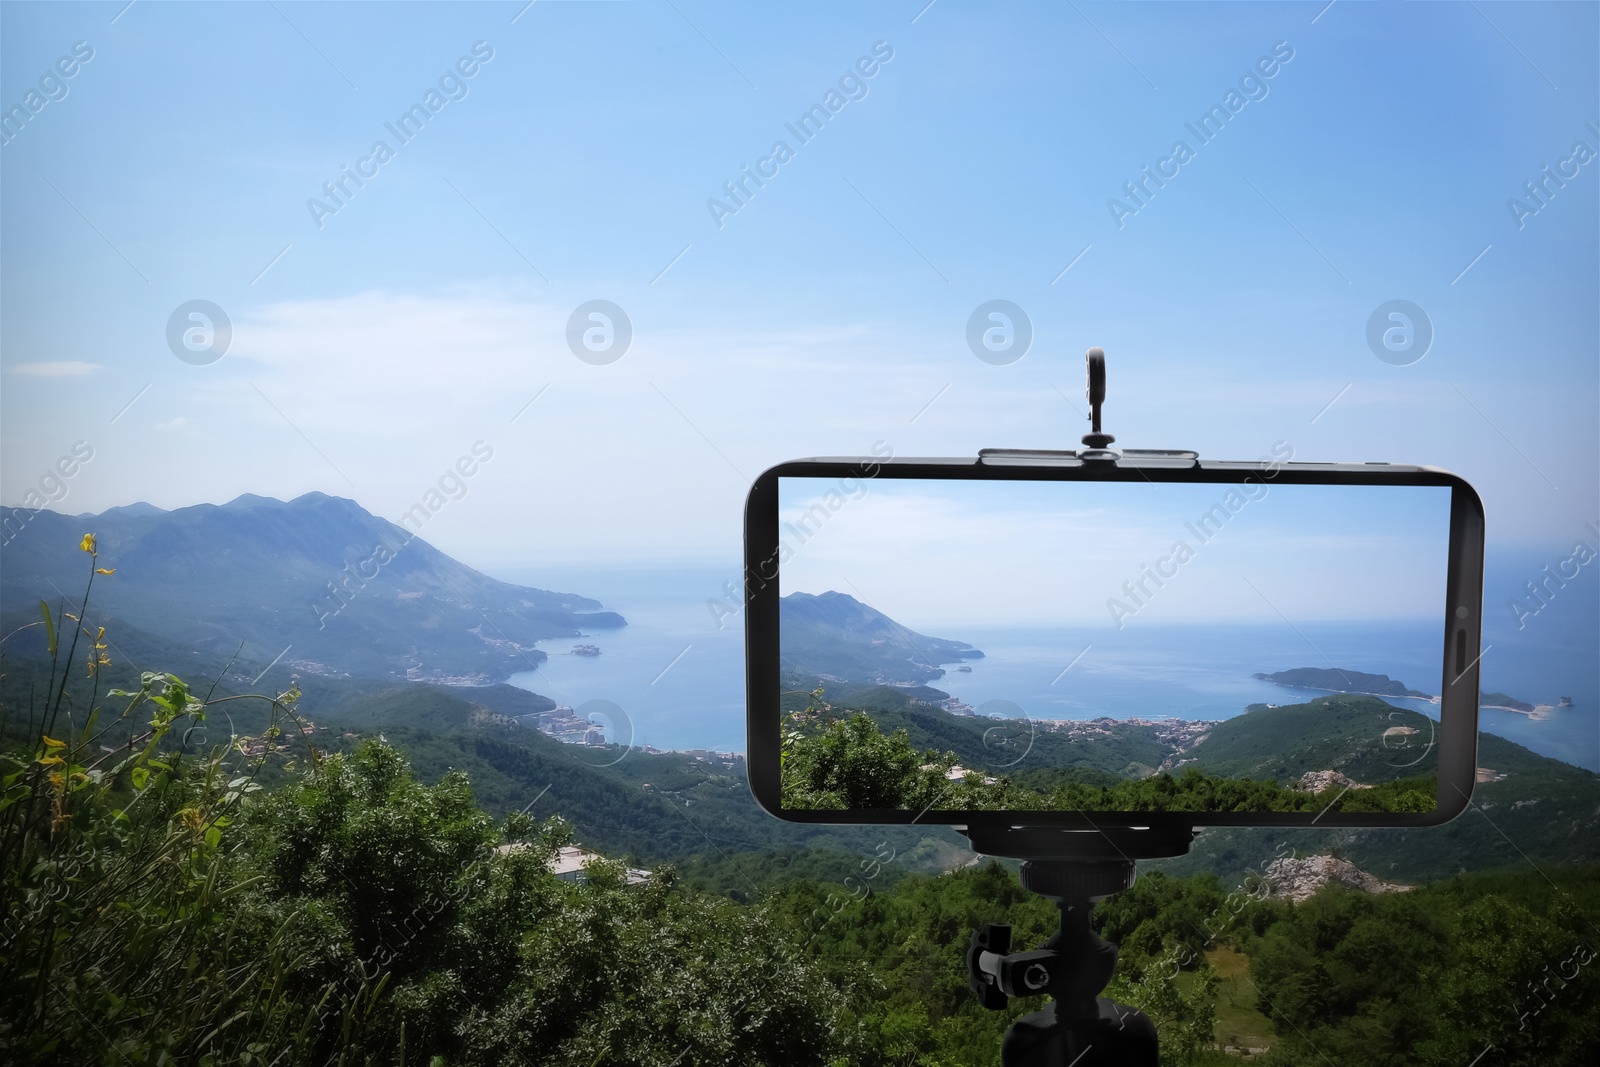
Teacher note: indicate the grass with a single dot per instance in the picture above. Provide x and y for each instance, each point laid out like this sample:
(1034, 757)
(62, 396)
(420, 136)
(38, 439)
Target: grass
(1240, 1022)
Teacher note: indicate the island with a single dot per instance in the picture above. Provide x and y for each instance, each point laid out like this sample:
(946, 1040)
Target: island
(585, 650)
(1339, 681)
(1504, 702)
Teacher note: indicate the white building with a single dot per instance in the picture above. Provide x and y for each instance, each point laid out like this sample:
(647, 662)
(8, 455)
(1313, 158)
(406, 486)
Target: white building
(569, 862)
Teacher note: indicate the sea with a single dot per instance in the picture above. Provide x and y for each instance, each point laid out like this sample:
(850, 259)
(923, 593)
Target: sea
(674, 679)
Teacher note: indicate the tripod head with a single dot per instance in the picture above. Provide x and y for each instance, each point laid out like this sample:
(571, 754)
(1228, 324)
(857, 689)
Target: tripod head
(1073, 868)
(1075, 964)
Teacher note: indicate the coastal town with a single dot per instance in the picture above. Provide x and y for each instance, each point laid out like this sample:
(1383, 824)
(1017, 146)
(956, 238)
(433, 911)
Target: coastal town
(1181, 734)
(565, 725)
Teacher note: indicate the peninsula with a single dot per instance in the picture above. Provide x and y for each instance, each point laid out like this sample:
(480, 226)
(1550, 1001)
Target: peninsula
(1341, 681)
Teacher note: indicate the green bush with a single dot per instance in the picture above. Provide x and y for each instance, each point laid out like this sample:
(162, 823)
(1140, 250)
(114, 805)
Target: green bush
(158, 907)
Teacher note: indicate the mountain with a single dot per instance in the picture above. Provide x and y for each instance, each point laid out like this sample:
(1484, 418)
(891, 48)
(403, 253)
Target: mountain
(1340, 681)
(836, 637)
(317, 583)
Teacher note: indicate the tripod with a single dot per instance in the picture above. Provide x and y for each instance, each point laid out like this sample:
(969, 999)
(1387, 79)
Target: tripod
(1073, 869)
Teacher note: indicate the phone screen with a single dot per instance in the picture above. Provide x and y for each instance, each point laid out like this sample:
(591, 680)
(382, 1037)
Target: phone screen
(1126, 646)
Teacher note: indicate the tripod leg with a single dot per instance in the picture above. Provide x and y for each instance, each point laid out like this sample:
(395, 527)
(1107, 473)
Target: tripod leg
(1118, 1036)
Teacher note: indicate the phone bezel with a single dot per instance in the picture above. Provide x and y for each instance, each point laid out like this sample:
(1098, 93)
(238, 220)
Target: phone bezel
(1462, 630)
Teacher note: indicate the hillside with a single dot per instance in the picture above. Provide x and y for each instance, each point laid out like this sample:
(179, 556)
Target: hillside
(834, 636)
(319, 581)
(652, 808)
(995, 746)
(1543, 811)
(1362, 737)
(1525, 805)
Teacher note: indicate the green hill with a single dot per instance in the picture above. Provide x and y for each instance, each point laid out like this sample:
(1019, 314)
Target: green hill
(1528, 806)
(1543, 810)
(1360, 736)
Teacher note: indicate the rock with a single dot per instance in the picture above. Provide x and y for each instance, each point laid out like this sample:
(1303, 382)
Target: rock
(1317, 781)
(1298, 879)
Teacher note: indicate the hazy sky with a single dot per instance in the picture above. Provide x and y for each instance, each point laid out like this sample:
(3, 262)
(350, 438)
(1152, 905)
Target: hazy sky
(377, 337)
(1008, 553)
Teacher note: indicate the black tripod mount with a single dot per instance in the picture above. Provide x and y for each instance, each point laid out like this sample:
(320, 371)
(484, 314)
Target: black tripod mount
(1074, 868)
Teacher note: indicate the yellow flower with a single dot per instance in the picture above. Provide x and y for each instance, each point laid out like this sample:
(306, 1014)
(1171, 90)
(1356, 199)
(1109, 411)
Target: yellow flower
(87, 544)
(51, 742)
(105, 570)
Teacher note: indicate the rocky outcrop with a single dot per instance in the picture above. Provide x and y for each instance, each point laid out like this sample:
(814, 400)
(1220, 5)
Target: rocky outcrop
(1317, 781)
(1295, 879)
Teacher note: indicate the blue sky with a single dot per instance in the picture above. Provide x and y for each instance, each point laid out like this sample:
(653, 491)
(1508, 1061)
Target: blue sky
(950, 554)
(828, 313)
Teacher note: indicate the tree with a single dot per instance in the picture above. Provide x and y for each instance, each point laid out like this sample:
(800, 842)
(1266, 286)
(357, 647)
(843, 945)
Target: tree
(849, 764)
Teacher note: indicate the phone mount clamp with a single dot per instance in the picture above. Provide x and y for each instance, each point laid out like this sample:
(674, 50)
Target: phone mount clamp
(1097, 445)
(1099, 448)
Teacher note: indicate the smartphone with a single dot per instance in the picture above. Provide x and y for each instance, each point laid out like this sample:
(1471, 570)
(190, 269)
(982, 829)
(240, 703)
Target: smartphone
(1031, 639)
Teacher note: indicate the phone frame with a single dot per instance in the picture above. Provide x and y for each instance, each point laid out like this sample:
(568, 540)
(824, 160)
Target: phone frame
(1457, 738)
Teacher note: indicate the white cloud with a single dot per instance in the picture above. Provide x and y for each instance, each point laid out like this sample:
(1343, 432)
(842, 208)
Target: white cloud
(372, 395)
